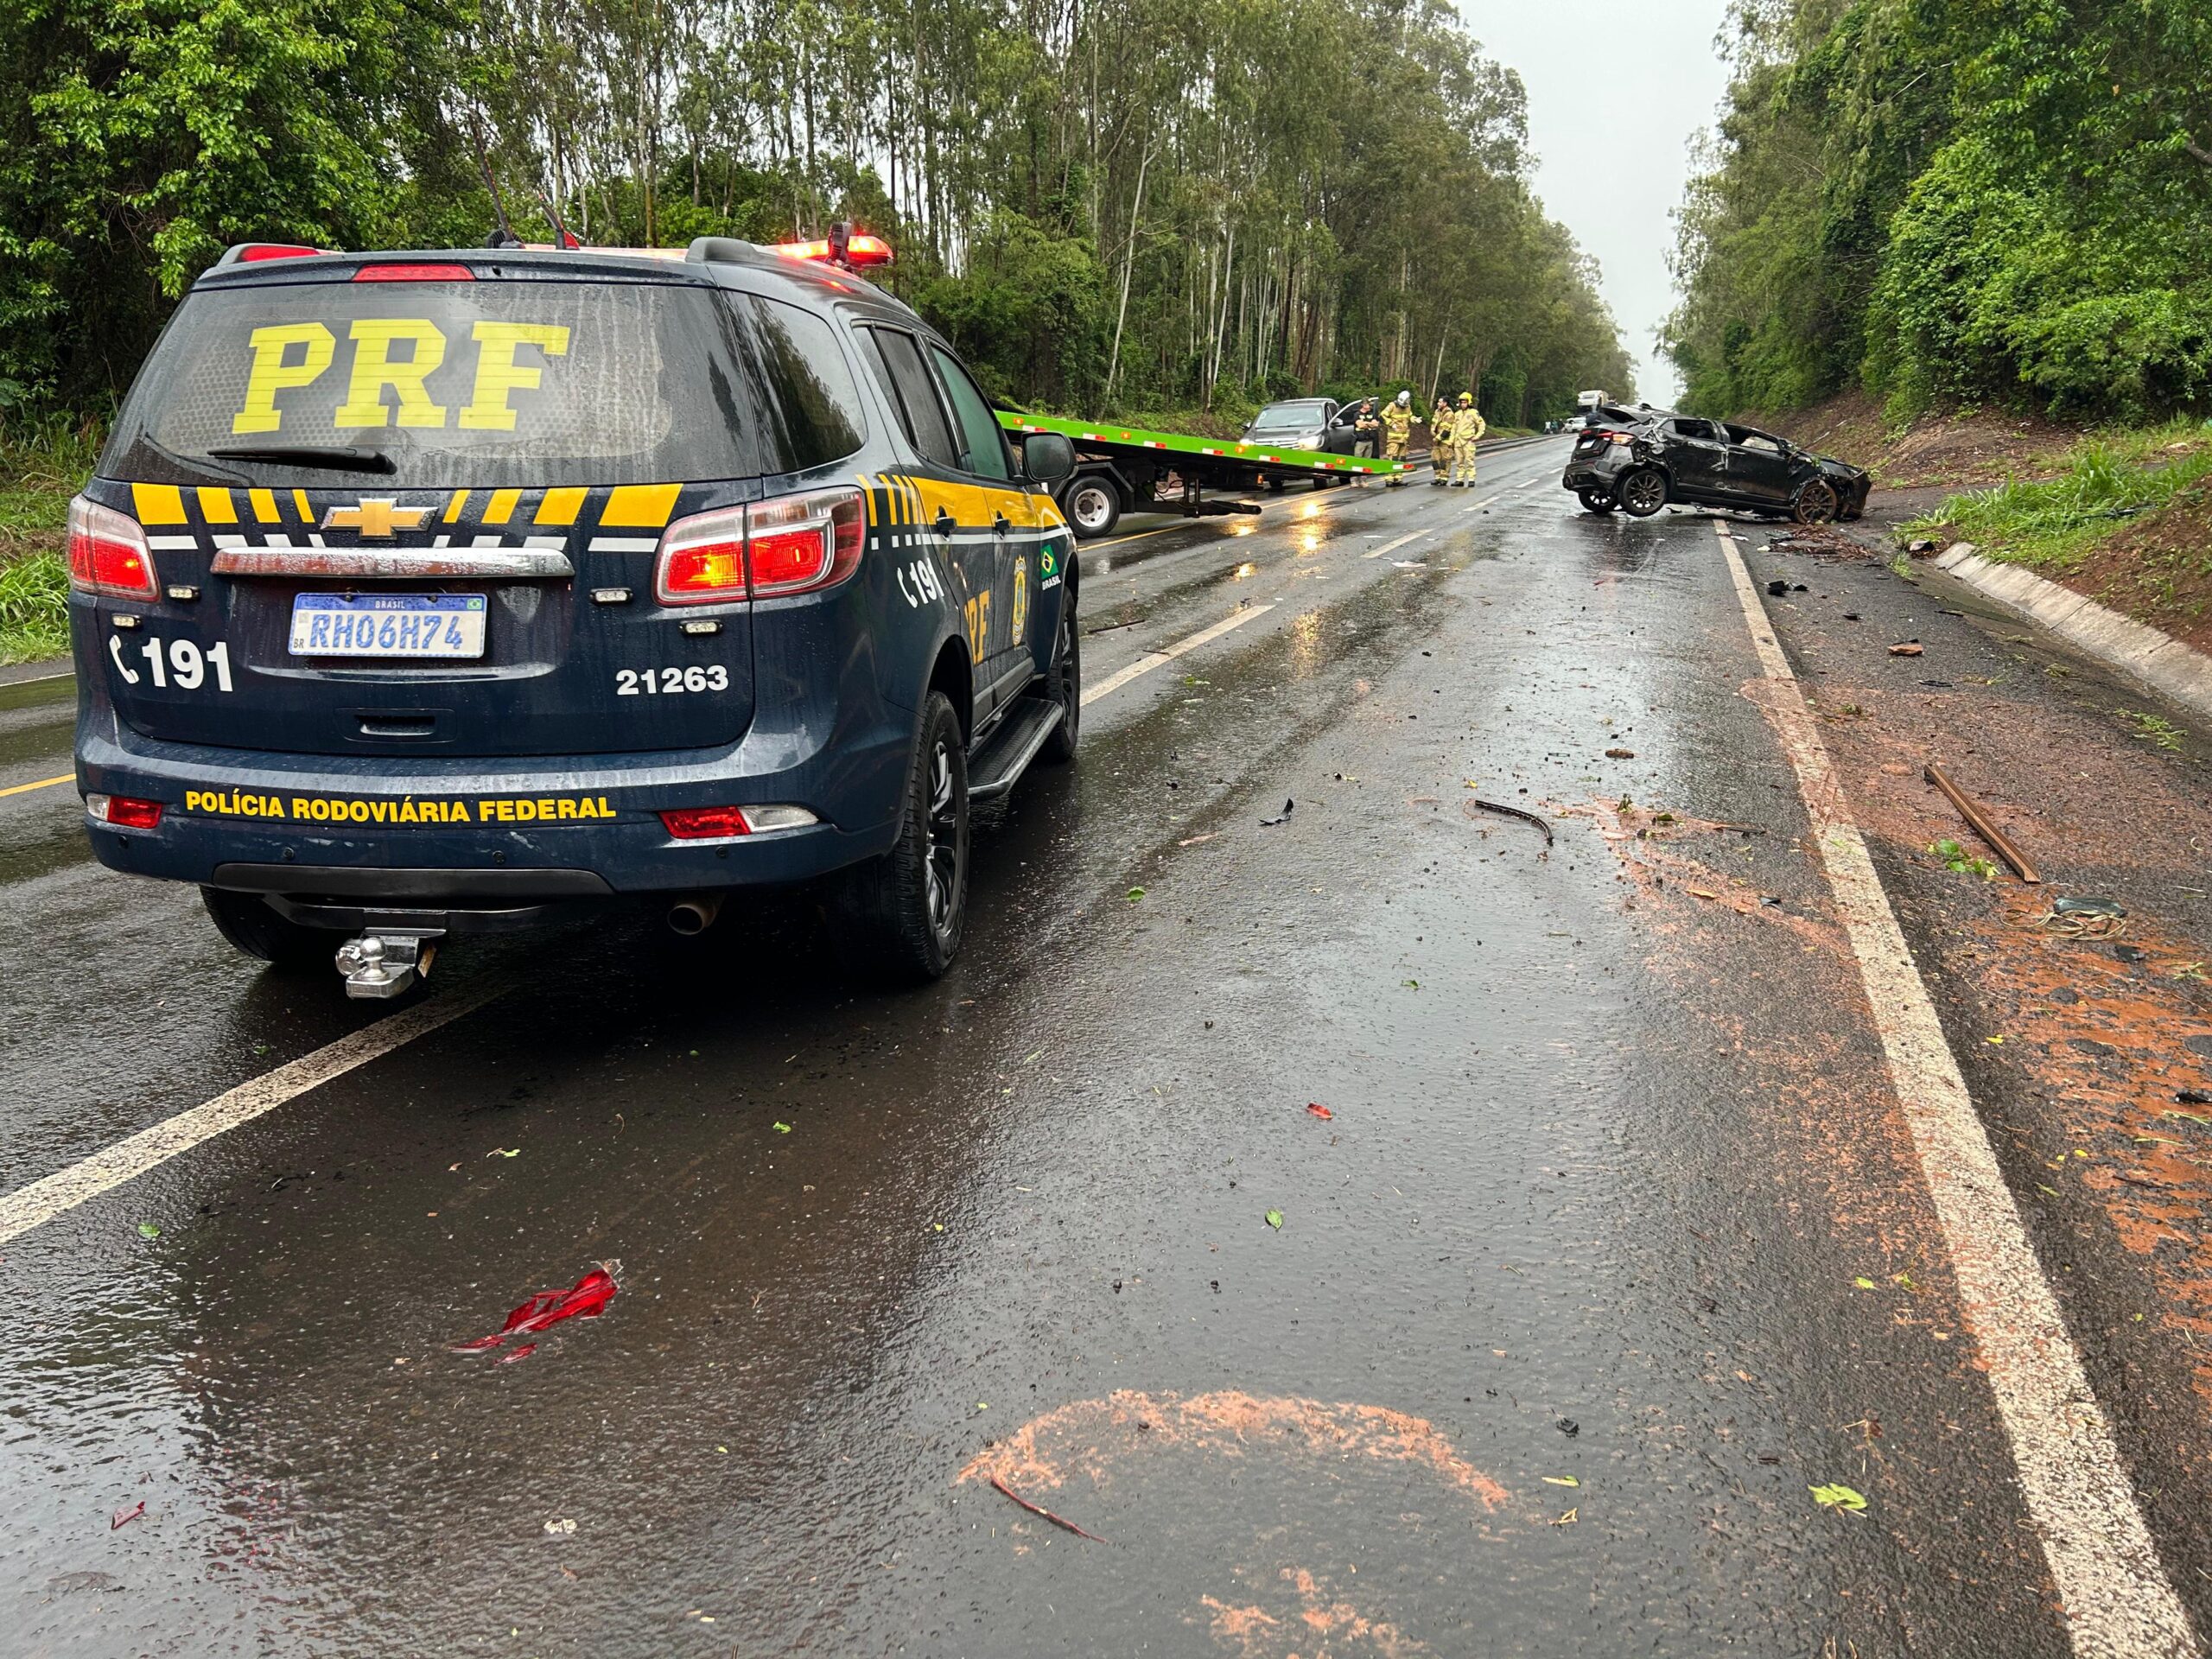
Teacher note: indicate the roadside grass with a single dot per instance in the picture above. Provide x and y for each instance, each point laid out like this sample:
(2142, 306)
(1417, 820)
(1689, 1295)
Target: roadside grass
(41, 468)
(33, 608)
(2107, 481)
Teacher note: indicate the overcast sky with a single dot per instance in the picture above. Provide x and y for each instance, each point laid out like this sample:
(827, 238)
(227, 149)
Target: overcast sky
(1616, 92)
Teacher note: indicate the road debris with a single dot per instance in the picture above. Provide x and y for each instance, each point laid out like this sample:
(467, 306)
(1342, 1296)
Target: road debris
(559, 1528)
(1318, 1110)
(1911, 648)
(1476, 804)
(125, 1517)
(1620, 754)
(1778, 588)
(2000, 842)
(1288, 807)
(586, 1299)
(2085, 918)
(1838, 1497)
(1059, 1521)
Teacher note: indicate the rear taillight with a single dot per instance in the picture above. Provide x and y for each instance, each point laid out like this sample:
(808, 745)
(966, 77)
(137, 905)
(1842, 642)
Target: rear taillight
(1620, 437)
(793, 544)
(124, 812)
(253, 253)
(108, 553)
(701, 559)
(798, 543)
(720, 823)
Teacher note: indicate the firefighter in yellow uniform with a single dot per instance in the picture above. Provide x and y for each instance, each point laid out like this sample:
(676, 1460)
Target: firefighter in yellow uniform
(1440, 439)
(1467, 428)
(1398, 418)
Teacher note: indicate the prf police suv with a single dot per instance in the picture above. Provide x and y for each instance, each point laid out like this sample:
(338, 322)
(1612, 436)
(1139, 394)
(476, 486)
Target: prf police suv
(424, 592)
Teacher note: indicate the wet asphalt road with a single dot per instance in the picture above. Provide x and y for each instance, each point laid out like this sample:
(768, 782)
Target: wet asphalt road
(1559, 1325)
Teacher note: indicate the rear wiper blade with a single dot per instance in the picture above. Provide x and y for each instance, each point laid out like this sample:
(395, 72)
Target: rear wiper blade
(334, 457)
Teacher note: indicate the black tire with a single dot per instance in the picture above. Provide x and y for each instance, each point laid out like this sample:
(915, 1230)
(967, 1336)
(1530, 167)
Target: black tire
(253, 928)
(899, 917)
(1644, 492)
(1064, 684)
(1595, 500)
(1093, 505)
(1815, 503)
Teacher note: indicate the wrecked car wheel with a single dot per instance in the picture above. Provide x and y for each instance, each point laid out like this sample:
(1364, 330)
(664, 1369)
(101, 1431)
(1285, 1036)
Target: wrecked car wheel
(1595, 500)
(1644, 493)
(1815, 503)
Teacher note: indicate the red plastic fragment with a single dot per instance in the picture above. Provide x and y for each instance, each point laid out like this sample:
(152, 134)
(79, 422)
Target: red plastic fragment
(1319, 1109)
(123, 1518)
(586, 1299)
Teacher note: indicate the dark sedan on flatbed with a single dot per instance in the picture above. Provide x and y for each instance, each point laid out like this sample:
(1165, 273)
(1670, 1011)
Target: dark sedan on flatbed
(1642, 459)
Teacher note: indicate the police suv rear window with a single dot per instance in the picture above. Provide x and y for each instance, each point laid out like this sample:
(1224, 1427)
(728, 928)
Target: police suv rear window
(486, 382)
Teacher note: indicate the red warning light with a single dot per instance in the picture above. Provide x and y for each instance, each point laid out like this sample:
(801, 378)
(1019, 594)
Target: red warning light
(854, 250)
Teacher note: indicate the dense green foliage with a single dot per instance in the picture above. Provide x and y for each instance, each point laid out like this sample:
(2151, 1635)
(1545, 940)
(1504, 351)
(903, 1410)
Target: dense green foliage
(2004, 200)
(1123, 202)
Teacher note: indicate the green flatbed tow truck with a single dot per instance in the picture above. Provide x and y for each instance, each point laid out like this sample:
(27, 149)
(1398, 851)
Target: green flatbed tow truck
(1124, 469)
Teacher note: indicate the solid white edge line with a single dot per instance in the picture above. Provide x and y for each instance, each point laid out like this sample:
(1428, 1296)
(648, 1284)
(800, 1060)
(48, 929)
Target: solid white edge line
(1167, 654)
(2117, 1600)
(34, 1205)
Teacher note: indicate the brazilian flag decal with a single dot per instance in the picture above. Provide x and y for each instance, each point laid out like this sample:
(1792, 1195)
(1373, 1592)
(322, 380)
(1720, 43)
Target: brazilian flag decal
(1049, 562)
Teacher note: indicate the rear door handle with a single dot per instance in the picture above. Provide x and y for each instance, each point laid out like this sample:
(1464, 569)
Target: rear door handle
(1002, 524)
(943, 524)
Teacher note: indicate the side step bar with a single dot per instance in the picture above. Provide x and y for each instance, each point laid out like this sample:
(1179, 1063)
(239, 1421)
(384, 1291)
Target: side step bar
(995, 769)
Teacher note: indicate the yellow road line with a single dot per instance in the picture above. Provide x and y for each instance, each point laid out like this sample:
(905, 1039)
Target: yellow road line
(43, 782)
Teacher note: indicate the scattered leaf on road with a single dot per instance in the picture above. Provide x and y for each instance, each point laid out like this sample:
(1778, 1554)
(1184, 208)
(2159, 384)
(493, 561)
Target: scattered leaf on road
(147, 1230)
(1863, 1283)
(1560, 1480)
(1275, 1218)
(124, 1517)
(782, 1128)
(1136, 893)
(504, 1152)
(1837, 1498)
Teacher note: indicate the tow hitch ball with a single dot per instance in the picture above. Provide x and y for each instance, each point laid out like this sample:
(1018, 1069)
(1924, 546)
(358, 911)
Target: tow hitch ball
(381, 965)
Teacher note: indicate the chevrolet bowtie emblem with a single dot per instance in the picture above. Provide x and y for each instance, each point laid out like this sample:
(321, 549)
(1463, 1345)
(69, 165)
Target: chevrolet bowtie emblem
(375, 517)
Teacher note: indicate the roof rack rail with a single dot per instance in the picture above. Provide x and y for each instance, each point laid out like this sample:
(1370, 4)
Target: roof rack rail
(723, 250)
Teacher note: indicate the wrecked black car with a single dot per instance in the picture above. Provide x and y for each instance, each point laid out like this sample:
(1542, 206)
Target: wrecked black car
(1640, 460)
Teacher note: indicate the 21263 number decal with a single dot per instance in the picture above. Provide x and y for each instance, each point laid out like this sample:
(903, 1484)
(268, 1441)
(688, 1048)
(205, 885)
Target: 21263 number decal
(670, 681)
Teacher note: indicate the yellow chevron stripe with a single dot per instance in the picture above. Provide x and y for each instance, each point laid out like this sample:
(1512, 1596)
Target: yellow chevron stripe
(216, 506)
(265, 506)
(455, 507)
(300, 501)
(502, 507)
(561, 506)
(638, 506)
(158, 504)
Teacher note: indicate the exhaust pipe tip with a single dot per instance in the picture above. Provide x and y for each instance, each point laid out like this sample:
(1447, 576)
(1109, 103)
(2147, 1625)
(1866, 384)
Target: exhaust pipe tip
(694, 915)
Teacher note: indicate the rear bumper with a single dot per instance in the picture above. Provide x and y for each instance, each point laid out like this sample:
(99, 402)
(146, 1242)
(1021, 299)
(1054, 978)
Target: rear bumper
(1599, 472)
(494, 835)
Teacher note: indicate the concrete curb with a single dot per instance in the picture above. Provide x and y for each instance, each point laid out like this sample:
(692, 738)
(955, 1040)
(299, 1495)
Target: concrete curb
(2157, 661)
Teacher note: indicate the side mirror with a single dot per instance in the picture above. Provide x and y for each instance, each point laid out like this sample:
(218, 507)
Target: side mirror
(1046, 458)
